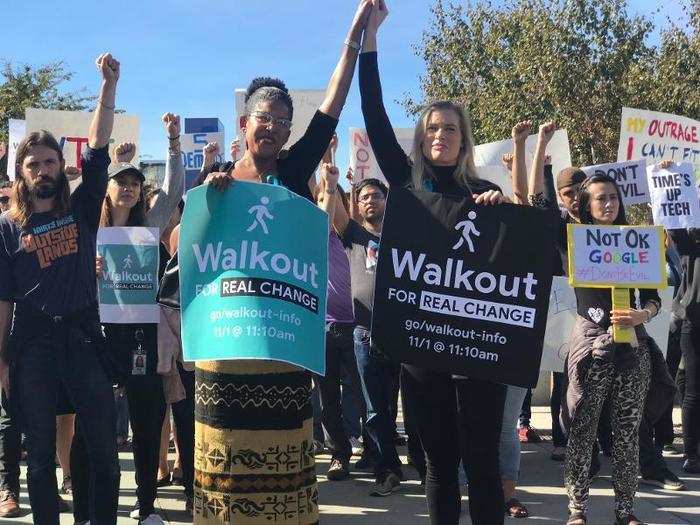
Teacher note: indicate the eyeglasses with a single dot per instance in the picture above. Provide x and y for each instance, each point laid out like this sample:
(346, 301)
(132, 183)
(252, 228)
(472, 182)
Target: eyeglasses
(264, 118)
(374, 196)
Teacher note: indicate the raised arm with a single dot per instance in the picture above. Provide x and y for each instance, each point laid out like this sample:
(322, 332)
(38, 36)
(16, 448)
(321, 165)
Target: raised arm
(329, 187)
(391, 158)
(536, 183)
(339, 85)
(168, 198)
(519, 172)
(103, 117)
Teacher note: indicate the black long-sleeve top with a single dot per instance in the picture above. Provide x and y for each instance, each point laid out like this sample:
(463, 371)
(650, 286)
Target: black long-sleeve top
(688, 295)
(392, 160)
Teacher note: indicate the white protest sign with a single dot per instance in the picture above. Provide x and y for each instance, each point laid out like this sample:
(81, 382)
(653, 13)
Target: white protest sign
(630, 176)
(362, 160)
(487, 157)
(17, 129)
(616, 256)
(306, 103)
(192, 148)
(558, 148)
(674, 196)
(657, 136)
(129, 282)
(71, 130)
(562, 316)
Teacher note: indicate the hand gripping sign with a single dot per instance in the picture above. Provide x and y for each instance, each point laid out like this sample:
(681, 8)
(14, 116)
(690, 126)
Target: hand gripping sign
(617, 257)
(462, 288)
(253, 275)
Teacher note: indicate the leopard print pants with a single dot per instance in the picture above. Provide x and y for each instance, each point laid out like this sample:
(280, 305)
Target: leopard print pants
(628, 390)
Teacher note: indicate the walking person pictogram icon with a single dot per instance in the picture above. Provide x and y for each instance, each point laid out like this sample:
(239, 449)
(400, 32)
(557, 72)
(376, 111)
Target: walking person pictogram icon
(468, 229)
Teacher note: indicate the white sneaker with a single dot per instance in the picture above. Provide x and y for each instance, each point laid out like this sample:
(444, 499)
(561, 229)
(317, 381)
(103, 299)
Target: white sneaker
(357, 447)
(153, 519)
(134, 514)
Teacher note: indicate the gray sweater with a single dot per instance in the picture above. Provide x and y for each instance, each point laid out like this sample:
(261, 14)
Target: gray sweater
(167, 199)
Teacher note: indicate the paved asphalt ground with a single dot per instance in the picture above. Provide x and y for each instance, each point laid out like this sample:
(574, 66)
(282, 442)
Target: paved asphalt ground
(348, 502)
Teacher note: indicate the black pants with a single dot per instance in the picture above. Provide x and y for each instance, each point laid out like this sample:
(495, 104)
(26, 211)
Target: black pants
(443, 405)
(146, 413)
(526, 410)
(558, 390)
(651, 459)
(340, 354)
(690, 347)
(66, 352)
(9, 448)
(663, 430)
(183, 415)
(415, 448)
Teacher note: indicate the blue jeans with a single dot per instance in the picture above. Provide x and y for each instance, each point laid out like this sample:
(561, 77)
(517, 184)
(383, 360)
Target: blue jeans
(509, 453)
(377, 377)
(69, 352)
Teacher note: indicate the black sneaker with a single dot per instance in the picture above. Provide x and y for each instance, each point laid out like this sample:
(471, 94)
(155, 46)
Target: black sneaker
(665, 479)
(691, 466)
(338, 470)
(63, 505)
(386, 485)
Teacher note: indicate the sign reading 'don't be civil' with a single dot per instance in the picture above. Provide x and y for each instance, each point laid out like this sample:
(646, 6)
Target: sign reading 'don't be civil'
(630, 176)
(616, 256)
(253, 281)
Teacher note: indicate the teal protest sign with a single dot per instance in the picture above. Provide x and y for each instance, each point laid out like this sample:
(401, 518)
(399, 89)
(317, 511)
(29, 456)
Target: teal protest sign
(129, 281)
(253, 275)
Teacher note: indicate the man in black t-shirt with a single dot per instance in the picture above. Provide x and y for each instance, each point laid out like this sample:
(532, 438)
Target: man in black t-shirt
(377, 372)
(47, 272)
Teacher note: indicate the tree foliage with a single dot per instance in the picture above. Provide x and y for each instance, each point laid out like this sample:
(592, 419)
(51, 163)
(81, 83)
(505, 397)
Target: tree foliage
(577, 62)
(24, 86)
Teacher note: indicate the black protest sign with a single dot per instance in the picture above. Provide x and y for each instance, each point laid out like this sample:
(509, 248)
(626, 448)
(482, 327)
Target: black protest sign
(463, 288)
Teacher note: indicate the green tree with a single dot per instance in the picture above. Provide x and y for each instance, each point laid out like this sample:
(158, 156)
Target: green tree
(27, 87)
(574, 61)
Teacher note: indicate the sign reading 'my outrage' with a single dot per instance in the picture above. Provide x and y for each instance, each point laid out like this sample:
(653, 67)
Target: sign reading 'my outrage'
(462, 288)
(616, 256)
(252, 281)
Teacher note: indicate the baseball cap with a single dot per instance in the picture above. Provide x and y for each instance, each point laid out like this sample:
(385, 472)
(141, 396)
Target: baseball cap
(570, 176)
(120, 168)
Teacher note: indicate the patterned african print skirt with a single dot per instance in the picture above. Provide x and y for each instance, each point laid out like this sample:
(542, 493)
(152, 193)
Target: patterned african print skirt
(254, 459)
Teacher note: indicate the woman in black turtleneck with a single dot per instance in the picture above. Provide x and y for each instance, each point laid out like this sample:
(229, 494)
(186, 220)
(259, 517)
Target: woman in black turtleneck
(444, 407)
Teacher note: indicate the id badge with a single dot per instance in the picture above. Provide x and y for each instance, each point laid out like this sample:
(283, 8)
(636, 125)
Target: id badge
(138, 361)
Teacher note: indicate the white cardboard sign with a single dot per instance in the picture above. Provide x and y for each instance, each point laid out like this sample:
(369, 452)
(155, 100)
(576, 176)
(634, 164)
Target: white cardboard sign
(630, 176)
(674, 196)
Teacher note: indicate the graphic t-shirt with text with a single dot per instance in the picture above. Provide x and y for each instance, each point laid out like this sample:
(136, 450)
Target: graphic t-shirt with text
(48, 265)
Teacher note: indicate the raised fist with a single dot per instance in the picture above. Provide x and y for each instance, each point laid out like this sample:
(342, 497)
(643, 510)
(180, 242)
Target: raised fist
(521, 130)
(125, 151)
(108, 67)
(377, 16)
(72, 172)
(507, 161)
(172, 125)
(330, 175)
(235, 148)
(547, 131)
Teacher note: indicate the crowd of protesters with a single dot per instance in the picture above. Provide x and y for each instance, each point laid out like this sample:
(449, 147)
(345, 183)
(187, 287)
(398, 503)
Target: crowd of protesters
(72, 387)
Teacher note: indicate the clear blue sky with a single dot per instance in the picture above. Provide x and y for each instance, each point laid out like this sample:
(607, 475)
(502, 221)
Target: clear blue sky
(188, 56)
